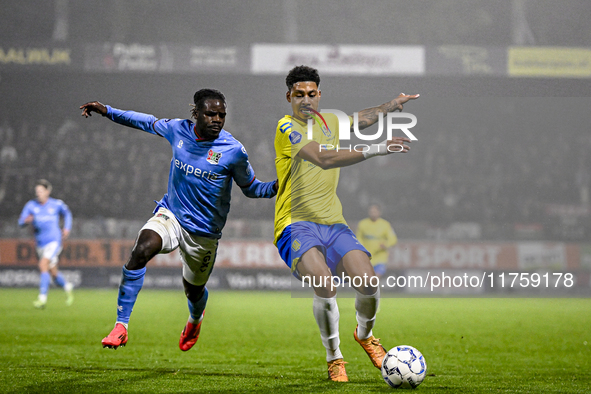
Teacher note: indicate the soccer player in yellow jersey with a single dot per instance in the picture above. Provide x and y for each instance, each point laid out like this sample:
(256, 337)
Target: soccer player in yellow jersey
(377, 235)
(311, 233)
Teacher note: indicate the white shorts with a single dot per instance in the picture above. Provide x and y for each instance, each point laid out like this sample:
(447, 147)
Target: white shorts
(197, 253)
(51, 251)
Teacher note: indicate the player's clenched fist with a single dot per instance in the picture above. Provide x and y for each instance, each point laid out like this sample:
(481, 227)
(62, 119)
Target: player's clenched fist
(93, 106)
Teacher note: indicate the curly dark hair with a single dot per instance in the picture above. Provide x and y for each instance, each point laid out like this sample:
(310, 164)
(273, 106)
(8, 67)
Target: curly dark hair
(301, 74)
(204, 94)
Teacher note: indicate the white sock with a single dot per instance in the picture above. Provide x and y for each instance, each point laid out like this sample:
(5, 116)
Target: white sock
(120, 322)
(366, 307)
(193, 321)
(68, 287)
(326, 313)
(42, 297)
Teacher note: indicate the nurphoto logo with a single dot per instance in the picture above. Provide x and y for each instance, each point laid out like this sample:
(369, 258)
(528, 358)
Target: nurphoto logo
(345, 130)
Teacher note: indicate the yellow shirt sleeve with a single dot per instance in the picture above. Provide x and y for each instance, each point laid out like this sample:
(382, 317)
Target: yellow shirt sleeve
(391, 238)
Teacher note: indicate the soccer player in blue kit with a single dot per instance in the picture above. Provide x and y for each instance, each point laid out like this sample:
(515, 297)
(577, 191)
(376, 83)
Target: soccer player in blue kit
(44, 214)
(191, 215)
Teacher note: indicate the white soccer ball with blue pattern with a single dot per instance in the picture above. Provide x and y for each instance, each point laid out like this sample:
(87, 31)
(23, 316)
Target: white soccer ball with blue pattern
(404, 367)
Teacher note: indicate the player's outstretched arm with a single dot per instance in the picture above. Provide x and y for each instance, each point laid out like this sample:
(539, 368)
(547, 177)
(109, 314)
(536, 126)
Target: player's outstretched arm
(137, 120)
(369, 116)
(326, 159)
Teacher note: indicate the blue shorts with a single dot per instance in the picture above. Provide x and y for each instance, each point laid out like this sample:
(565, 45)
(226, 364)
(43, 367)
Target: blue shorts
(334, 241)
(380, 269)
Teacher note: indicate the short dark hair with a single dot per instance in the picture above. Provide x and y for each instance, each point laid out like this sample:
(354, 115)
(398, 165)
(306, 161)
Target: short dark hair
(43, 182)
(204, 94)
(302, 74)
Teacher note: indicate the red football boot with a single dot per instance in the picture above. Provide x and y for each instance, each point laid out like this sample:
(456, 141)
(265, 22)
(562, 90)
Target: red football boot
(189, 335)
(117, 337)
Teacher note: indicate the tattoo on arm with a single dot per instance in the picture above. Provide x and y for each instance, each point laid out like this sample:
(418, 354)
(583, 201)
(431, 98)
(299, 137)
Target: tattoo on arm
(369, 116)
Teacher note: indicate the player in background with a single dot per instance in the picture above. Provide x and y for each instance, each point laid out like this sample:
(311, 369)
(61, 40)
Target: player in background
(311, 233)
(376, 235)
(191, 215)
(44, 213)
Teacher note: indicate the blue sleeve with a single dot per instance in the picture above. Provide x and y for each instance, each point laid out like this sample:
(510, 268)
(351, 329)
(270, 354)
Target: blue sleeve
(258, 189)
(137, 120)
(244, 176)
(67, 214)
(149, 123)
(242, 171)
(24, 214)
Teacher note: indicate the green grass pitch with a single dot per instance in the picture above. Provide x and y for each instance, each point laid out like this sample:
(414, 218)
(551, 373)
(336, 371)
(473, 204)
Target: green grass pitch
(268, 342)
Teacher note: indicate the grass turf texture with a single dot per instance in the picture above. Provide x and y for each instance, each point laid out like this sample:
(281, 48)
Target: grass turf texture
(269, 342)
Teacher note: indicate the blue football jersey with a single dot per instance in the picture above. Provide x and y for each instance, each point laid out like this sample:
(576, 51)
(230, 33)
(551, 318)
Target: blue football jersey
(46, 220)
(201, 172)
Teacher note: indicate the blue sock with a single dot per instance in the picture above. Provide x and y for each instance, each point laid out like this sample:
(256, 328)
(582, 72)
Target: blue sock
(130, 286)
(196, 309)
(59, 280)
(44, 280)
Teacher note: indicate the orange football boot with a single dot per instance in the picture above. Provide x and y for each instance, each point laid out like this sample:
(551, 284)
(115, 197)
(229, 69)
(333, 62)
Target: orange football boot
(336, 370)
(373, 348)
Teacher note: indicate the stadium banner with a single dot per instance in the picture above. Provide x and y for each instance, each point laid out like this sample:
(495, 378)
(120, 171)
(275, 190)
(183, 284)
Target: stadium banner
(420, 268)
(586, 257)
(165, 58)
(34, 56)
(196, 59)
(364, 60)
(554, 62)
(161, 278)
(256, 254)
(114, 253)
(486, 255)
(127, 57)
(466, 60)
(395, 283)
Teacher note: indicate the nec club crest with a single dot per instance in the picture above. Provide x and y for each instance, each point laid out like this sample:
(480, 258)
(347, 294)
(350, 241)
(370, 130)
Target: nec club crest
(213, 157)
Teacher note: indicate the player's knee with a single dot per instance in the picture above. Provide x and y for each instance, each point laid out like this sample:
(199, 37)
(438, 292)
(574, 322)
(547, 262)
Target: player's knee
(142, 252)
(323, 285)
(325, 292)
(369, 288)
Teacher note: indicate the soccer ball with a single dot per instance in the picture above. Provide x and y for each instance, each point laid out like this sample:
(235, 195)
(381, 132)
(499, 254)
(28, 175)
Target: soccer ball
(404, 367)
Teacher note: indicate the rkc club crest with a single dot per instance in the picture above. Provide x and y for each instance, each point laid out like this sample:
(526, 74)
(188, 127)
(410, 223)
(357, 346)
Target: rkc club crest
(213, 157)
